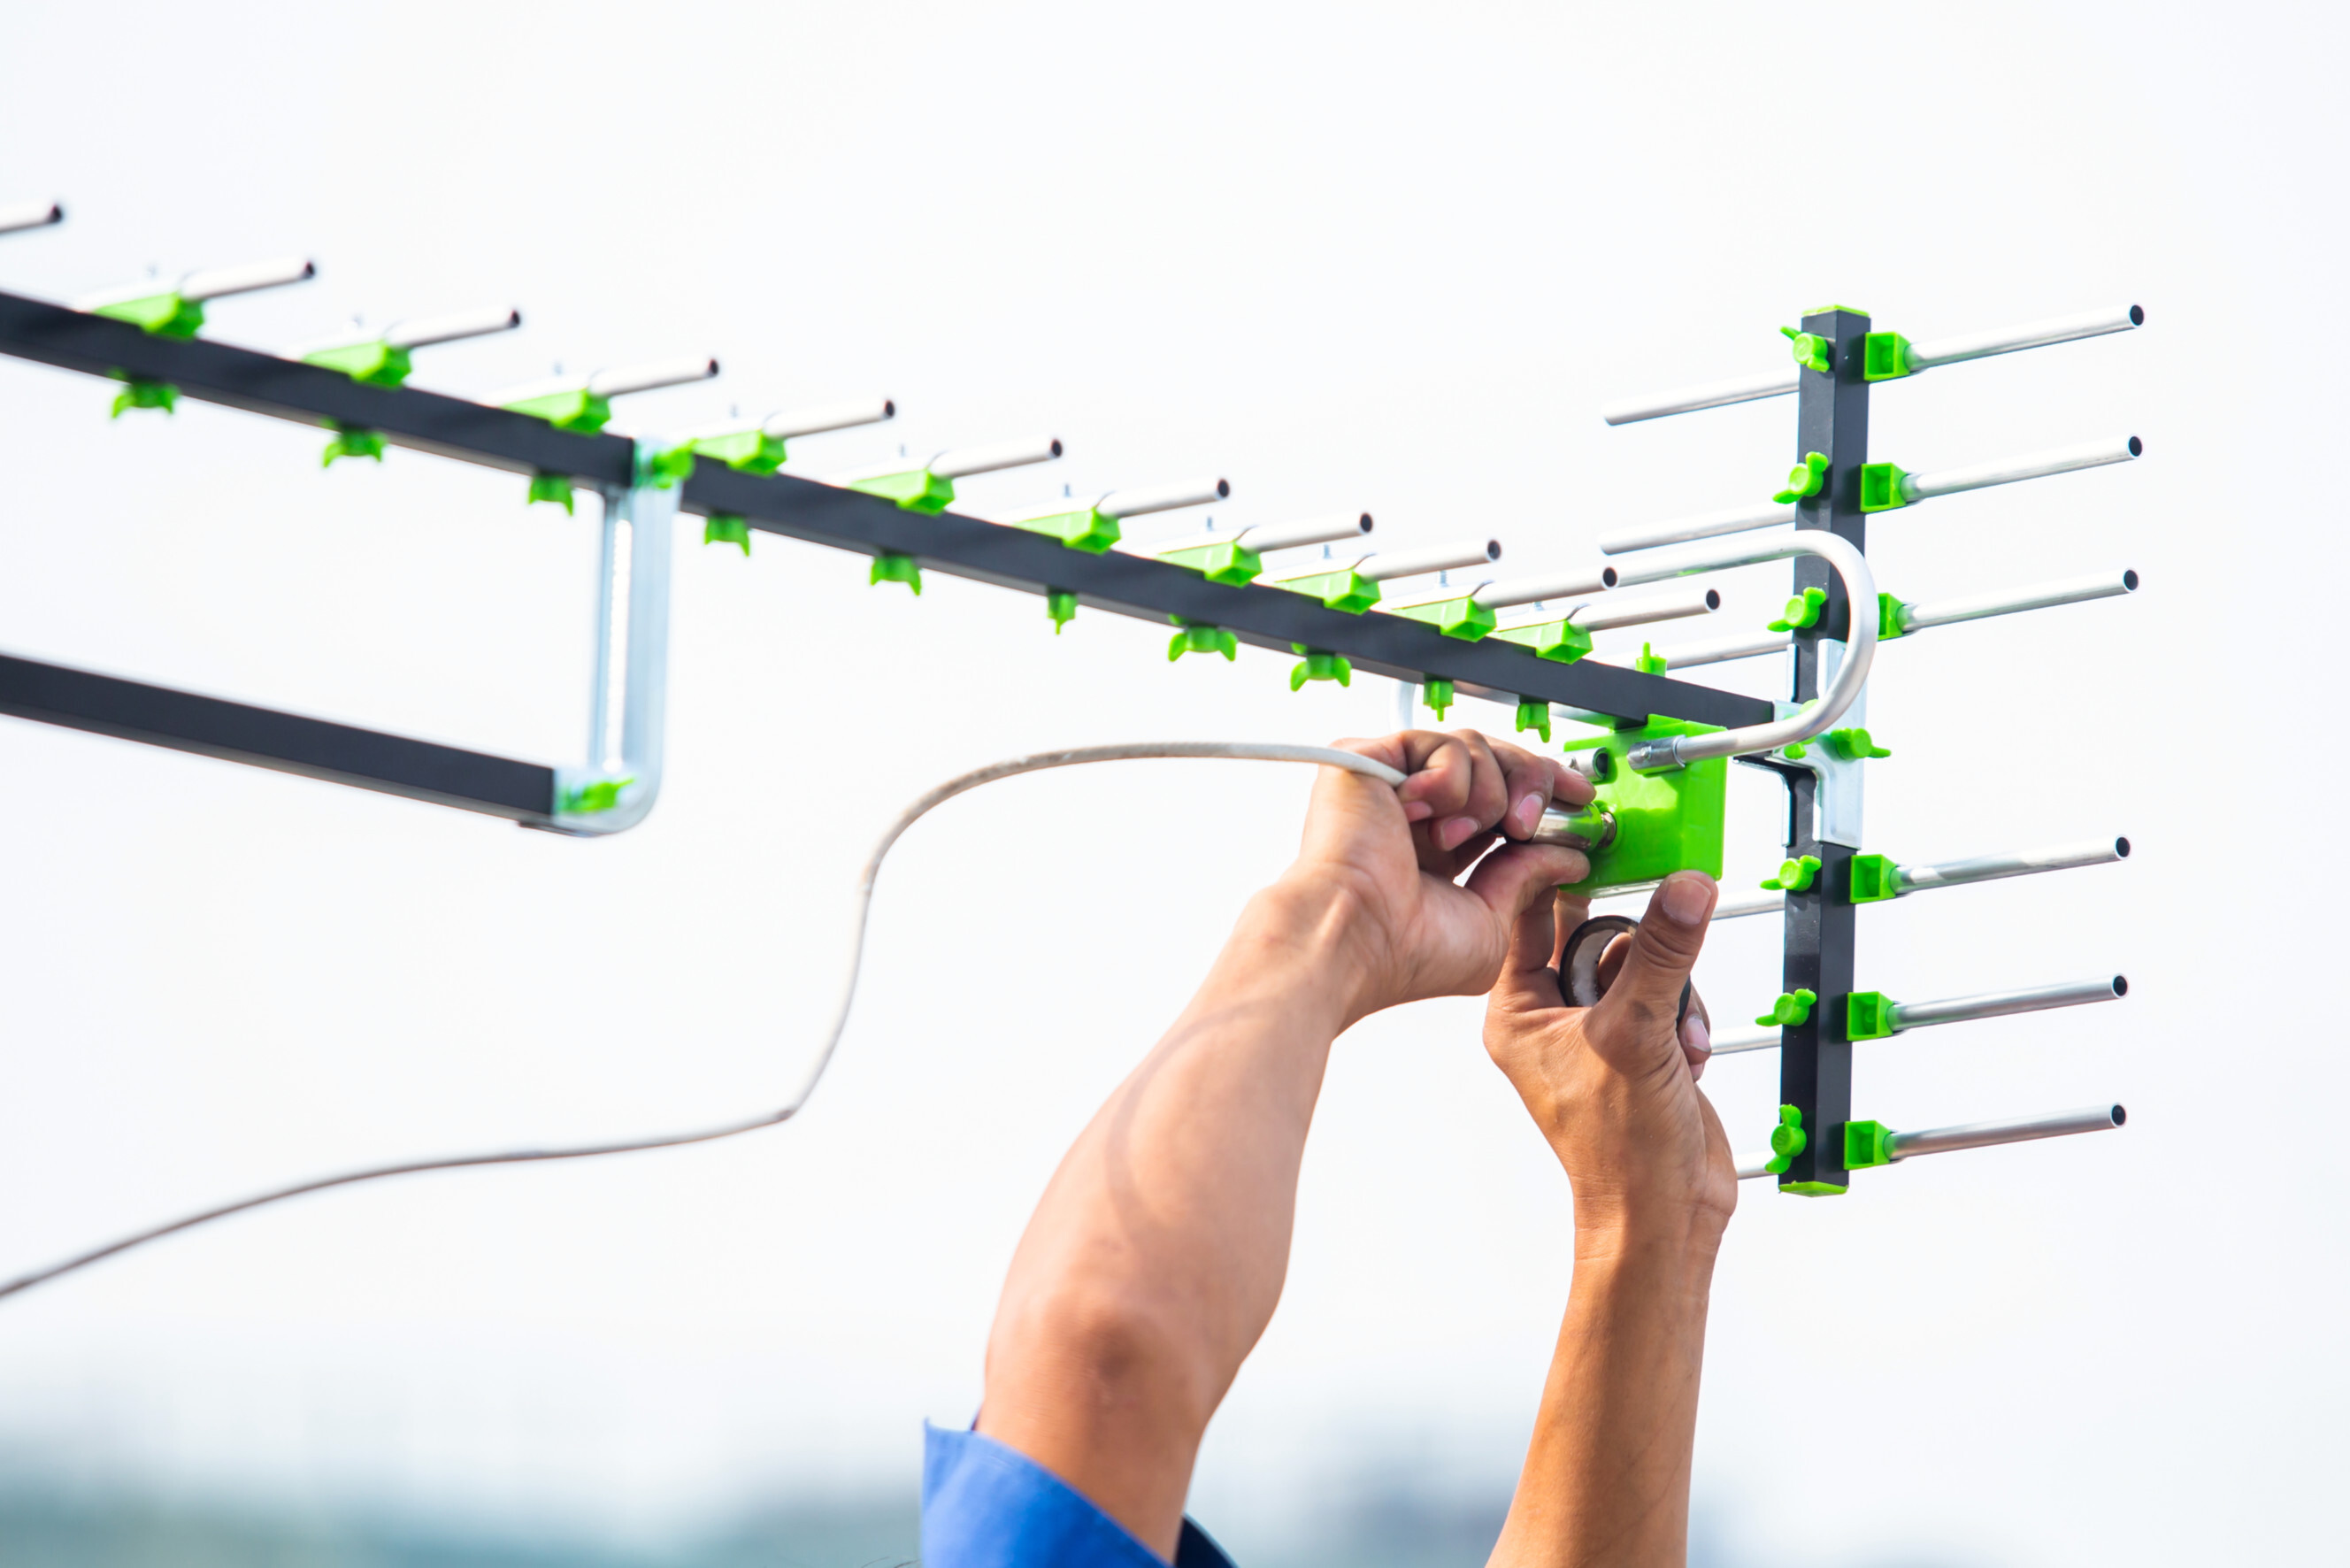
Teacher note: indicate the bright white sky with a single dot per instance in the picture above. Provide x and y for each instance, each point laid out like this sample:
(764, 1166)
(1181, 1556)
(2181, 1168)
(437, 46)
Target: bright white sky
(1378, 257)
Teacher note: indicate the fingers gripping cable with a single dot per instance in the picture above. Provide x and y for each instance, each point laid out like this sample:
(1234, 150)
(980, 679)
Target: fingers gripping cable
(1035, 762)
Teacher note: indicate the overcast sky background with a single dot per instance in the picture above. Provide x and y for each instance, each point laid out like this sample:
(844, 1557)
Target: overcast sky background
(1367, 257)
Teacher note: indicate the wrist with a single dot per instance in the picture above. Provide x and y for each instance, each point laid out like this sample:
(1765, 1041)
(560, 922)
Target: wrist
(1313, 936)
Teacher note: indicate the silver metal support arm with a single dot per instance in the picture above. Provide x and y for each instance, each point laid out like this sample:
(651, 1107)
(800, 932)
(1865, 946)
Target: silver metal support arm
(1992, 868)
(2011, 601)
(1906, 1015)
(615, 789)
(1851, 673)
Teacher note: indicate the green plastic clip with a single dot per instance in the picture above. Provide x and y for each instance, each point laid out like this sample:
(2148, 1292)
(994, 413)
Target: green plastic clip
(1438, 694)
(1459, 617)
(1883, 356)
(1803, 610)
(1811, 350)
(664, 467)
(1788, 1140)
(1560, 642)
(1854, 744)
(916, 490)
(1880, 486)
(352, 441)
(1650, 662)
(1867, 1015)
(1535, 715)
(1794, 876)
(727, 528)
(1224, 562)
(601, 796)
(553, 488)
(1090, 531)
(1888, 617)
(166, 315)
(1806, 479)
(1345, 590)
(1061, 603)
(144, 392)
(1318, 665)
(749, 450)
(1199, 637)
(894, 566)
(1866, 1144)
(1874, 879)
(577, 409)
(377, 363)
(1792, 1009)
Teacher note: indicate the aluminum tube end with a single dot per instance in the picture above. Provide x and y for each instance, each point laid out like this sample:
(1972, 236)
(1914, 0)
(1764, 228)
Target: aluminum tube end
(1755, 1167)
(649, 377)
(23, 215)
(1538, 591)
(1985, 1134)
(428, 330)
(1266, 537)
(218, 281)
(1647, 610)
(1388, 566)
(795, 422)
(967, 460)
(1163, 498)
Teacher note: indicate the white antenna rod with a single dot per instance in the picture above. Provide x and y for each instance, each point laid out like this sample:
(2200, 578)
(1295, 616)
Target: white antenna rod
(24, 215)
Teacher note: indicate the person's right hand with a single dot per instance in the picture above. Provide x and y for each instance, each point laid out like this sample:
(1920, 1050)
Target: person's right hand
(1614, 1087)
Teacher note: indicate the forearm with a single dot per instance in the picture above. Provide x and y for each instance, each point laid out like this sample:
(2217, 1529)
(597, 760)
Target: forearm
(1156, 1255)
(1606, 1476)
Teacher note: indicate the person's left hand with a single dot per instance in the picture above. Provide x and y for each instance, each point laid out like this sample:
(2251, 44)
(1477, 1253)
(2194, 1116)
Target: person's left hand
(1394, 857)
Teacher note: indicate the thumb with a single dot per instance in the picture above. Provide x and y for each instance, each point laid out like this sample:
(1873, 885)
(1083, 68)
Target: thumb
(1666, 946)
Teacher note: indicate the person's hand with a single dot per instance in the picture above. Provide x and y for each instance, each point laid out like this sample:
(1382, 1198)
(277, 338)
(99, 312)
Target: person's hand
(1392, 858)
(1614, 1087)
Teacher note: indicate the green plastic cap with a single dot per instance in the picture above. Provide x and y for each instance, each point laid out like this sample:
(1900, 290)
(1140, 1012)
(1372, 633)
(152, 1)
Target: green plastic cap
(142, 392)
(1888, 617)
(1883, 356)
(1062, 605)
(1650, 662)
(1880, 486)
(1803, 610)
(727, 528)
(1866, 1144)
(1854, 744)
(891, 566)
(1811, 349)
(553, 488)
(1788, 1140)
(1873, 879)
(1319, 665)
(1534, 714)
(1438, 694)
(1794, 876)
(1867, 1015)
(916, 490)
(352, 441)
(1199, 637)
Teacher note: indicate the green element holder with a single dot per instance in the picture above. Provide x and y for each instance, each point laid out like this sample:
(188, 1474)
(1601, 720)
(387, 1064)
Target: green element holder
(1462, 618)
(378, 364)
(727, 528)
(1560, 642)
(1338, 590)
(1880, 486)
(1438, 693)
(1888, 617)
(601, 796)
(352, 441)
(1883, 356)
(1792, 1009)
(1854, 744)
(1224, 562)
(1866, 1144)
(1062, 605)
(1788, 1140)
(893, 566)
(665, 467)
(1199, 637)
(1873, 879)
(1811, 350)
(1803, 610)
(1318, 665)
(1650, 662)
(1534, 714)
(751, 451)
(1807, 478)
(166, 315)
(916, 490)
(1867, 1015)
(578, 410)
(1665, 822)
(554, 488)
(1794, 876)
(144, 392)
(1088, 530)
(1814, 1189)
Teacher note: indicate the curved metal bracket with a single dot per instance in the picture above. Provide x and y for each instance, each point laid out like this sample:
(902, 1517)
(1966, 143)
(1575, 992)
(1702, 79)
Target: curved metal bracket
(615, 787)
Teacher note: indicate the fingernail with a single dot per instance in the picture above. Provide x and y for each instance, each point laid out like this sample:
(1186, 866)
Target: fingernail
(1529, 812)
(1695, 1036)
(1686, 899)
(1455, 832)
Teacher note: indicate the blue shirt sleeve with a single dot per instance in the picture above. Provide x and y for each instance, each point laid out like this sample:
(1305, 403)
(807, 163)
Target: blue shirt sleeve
(988, 1506)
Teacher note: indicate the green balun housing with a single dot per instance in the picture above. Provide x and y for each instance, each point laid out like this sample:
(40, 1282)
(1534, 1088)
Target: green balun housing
(1665, 822)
